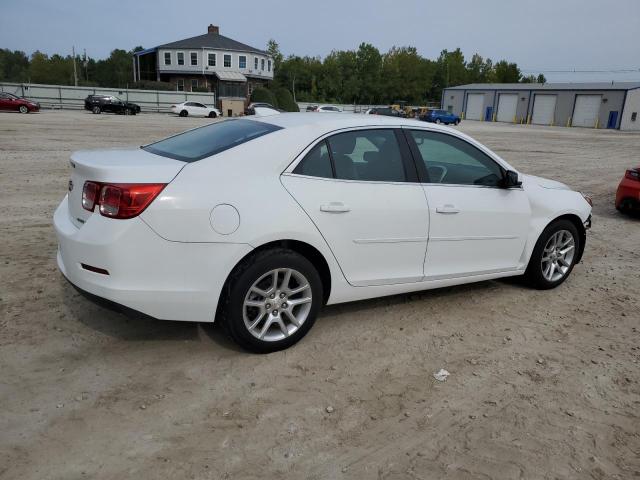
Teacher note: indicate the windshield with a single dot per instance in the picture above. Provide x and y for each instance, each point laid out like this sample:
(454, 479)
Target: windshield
(209, 140)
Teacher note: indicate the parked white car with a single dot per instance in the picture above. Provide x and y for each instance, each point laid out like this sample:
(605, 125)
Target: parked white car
(195, 109)
(258, 222)
(327, 109)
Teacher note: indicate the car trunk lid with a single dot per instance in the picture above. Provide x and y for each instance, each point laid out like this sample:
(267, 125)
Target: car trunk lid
(115, 166)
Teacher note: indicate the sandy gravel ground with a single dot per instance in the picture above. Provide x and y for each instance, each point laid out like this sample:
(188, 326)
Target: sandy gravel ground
(542, 385)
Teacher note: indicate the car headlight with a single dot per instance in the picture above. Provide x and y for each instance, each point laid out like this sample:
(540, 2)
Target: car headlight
(588, 198)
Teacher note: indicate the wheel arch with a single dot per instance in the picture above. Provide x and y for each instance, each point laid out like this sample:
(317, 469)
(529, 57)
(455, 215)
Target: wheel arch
(582, 231)
(307, 250)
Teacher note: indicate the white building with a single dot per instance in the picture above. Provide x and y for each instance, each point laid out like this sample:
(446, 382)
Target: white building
(209, 62)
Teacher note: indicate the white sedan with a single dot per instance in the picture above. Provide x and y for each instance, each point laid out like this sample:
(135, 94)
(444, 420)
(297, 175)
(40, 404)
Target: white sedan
(258, 223)
(327, 109)
(194, 109)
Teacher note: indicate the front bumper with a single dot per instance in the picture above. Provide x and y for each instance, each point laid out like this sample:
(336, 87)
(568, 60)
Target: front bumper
(146, 273)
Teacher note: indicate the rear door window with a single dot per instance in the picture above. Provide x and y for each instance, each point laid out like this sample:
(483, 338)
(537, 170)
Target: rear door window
(199, 143)
(367, 155)
(316, 163)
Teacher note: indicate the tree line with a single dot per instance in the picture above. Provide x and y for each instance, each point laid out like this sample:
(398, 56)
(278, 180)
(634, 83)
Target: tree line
(367, 76)
(364, 75)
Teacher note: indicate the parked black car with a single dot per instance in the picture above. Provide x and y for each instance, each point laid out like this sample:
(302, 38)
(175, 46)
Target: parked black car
(109, 103)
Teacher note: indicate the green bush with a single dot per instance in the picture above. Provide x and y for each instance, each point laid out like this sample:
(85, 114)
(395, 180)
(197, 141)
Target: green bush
(264, 95)
(285, 100)
(151, 85)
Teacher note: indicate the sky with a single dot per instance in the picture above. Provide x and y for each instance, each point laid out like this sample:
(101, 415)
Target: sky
(549, 36)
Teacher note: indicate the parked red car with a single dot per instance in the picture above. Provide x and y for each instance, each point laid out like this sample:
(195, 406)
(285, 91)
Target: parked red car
(9, 101)
(628, 194)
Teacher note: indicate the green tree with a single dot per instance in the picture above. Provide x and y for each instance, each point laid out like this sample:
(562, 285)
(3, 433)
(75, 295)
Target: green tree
(14, 66)
(506, 72)
(273, 49)
(264, 95)
(369, 69)
(541, 79)
(479, 70)
(285, 101)
(451, 70)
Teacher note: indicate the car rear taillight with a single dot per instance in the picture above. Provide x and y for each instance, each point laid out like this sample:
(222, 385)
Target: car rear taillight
(633, 174)
(120, 200)
(90, 193)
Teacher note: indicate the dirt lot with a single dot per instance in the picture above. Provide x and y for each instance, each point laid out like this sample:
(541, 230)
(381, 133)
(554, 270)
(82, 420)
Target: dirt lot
(542, 385)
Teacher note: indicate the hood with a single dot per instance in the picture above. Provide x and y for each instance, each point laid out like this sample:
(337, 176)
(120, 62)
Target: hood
(546, 183)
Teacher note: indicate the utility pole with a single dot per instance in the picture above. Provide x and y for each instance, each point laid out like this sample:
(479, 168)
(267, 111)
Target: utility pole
(75, 72)
(86, 65)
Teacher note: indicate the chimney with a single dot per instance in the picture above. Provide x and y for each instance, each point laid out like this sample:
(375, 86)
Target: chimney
(213, 29)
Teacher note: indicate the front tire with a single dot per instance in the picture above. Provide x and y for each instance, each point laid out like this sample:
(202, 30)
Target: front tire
(184, 113)
(23, 109)
(96, 110)
(213, 114)
(271, 300)
(438, 121)
(554, 255)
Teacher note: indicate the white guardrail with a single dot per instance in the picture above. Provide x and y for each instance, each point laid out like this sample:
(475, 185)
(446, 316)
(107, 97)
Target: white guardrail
(61, 96)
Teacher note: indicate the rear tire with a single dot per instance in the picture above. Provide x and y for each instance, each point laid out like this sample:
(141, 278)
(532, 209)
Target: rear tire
(184, 113)
(438, 121)
(261, 310)
(554, 255)
(96, 110)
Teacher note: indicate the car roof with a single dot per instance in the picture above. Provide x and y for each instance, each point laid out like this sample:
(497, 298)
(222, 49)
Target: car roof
(336, 121)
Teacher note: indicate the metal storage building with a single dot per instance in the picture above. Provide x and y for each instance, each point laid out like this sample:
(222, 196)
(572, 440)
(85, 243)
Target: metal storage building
(591, 105)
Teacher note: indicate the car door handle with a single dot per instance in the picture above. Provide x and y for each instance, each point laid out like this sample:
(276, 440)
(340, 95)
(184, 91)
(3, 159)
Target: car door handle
(447, 209)
(334, 207)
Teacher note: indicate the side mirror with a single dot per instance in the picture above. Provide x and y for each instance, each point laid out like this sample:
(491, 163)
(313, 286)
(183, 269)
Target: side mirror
(511, 179)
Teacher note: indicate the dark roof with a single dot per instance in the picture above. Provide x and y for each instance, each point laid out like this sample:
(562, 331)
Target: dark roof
(212, 40)
(549, 86)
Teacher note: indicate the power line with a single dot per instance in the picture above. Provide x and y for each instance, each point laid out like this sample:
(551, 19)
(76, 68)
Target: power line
(620, 70)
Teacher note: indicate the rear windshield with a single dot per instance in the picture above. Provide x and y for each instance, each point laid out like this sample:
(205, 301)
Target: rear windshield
(205, 141)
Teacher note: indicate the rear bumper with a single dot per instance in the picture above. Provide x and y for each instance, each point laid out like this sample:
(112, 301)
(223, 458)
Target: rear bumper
(162, 279)
(628, 195)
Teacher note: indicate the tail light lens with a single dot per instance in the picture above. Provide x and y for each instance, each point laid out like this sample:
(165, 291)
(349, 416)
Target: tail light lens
(120, 200)
(90, 193)
(633, 174)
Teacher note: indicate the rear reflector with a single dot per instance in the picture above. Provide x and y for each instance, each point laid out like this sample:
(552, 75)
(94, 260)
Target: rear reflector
(120, 200)
(94, 269)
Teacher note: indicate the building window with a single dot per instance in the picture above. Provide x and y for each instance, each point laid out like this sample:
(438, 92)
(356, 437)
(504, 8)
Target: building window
(180, 58)
(269, 65)
(212, 59)
(227, 61)
(180, 85)
(242, 61)
(255, 63)
(262, 64)
(194, 58)
(194, 84)
(167, 58)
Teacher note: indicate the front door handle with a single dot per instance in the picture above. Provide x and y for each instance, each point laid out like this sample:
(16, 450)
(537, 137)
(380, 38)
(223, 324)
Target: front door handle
(334, 207)
(447, 209)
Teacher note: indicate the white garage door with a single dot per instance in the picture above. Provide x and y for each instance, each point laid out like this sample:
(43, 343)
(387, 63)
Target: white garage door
(507, 104)
(586, 110)
(544, 106)
(475, 102)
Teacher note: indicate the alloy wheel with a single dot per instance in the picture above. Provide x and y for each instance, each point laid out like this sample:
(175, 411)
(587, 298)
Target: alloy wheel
(557, 256)
(277, 304)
